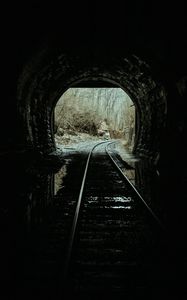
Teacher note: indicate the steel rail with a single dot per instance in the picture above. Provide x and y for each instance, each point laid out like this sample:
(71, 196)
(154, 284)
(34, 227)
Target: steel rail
(77, 211)
(134, 188)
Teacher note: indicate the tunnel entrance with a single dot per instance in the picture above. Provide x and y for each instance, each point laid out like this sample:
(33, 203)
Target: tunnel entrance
(50, 75)
(84, 114)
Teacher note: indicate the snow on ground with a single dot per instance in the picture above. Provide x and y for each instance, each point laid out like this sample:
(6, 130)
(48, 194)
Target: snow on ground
(75, 142)
(80, 141)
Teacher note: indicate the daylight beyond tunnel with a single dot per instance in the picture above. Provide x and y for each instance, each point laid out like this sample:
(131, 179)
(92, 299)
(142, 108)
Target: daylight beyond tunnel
(95, 113)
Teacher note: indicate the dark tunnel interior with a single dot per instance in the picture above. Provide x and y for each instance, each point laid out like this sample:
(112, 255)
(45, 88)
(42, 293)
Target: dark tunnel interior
(140, 48)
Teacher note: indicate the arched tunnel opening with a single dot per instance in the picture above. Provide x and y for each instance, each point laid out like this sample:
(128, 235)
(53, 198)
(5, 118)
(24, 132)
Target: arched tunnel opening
(83, 114)
(48, 82)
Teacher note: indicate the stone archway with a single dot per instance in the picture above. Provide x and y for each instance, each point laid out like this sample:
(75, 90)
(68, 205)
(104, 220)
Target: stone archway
(49, 75)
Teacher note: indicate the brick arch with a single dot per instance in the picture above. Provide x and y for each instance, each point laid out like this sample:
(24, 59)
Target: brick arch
(48, 76)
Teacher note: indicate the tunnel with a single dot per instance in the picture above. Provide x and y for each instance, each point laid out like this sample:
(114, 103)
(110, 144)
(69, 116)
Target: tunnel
(139, 49)
(46, 83)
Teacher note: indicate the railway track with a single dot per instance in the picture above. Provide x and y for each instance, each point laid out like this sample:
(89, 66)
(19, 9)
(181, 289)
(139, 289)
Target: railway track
(111, 219)
(102, 238)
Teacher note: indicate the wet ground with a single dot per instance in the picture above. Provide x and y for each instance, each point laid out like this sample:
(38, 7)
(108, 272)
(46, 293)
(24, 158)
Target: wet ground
(47, 193)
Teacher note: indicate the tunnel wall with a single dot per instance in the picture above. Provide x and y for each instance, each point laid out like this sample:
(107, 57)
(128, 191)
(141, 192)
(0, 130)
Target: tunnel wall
(49, 75)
